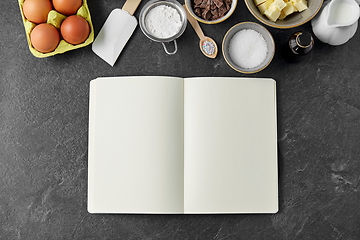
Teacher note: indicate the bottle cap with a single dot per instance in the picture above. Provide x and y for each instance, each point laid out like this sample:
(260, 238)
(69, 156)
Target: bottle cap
(304, 39)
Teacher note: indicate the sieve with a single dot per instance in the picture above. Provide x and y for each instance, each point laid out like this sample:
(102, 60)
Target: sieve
(170, 3)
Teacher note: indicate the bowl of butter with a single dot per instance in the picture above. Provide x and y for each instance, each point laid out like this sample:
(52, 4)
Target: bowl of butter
(284, 13)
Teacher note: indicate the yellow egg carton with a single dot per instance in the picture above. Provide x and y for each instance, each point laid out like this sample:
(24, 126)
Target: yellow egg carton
(55, 19)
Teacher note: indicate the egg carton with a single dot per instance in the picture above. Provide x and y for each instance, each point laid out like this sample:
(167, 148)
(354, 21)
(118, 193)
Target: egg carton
(54, 18)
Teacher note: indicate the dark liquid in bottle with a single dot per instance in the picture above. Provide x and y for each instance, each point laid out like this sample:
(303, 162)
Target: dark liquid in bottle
(301, 43)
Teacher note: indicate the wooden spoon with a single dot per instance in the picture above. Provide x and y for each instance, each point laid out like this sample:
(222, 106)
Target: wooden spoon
(207, 42)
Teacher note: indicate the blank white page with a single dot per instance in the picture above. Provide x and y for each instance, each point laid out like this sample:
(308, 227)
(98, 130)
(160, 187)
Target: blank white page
(230, 146)
(136, 145)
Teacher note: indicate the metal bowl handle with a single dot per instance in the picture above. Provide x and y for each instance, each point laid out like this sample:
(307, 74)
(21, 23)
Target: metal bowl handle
(170, 53)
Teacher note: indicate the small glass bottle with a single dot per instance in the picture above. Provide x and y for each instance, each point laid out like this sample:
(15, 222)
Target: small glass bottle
(301, 43)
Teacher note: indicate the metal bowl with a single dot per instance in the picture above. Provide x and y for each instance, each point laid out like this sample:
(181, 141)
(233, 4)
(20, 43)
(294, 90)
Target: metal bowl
(260, 29)
(170, 3)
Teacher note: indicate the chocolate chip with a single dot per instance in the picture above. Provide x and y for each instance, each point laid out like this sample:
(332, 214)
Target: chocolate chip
(218, 3)
(197, 11)
(206, 14)
(203, 4)
(222, 11)
(228, 6)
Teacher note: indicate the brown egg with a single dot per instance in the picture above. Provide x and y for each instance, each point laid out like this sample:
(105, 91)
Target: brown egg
(75, 29)
(36, 11)
(45, 37)
(67, 7)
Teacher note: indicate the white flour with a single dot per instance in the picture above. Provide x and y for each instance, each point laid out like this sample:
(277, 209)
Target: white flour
(163, 21)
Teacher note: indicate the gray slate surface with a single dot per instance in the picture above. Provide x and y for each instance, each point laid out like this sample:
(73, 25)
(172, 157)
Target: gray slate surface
(44, 121)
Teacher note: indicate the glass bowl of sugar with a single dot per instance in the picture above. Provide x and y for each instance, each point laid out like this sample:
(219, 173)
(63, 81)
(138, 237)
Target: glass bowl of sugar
(248, 47)
(163, 21)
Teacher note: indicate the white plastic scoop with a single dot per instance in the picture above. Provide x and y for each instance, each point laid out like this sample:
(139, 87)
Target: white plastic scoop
(115, 32)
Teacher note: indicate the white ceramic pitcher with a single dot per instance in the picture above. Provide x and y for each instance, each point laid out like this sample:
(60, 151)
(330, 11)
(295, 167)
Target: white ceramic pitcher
(337, 22)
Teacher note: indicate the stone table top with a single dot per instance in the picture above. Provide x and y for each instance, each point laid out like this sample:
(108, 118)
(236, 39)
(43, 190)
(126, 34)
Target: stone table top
(44, 127)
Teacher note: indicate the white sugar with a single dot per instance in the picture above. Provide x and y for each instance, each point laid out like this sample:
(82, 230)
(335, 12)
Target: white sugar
(163, 21)
(248, 48)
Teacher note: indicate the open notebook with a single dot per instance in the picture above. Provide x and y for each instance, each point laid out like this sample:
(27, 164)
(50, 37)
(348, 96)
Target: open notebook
(171, 145)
